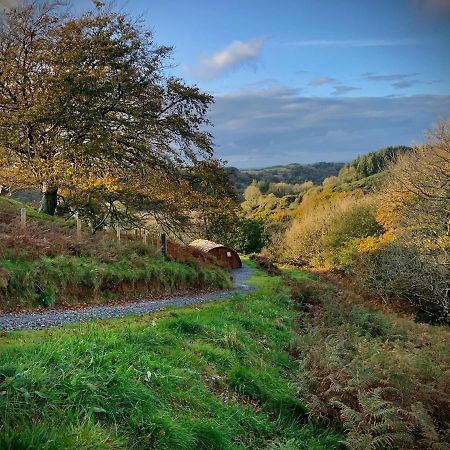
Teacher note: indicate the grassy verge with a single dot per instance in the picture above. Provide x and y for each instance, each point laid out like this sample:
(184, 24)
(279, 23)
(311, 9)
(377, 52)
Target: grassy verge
(217, 376)
(45, 264)
(64, 279)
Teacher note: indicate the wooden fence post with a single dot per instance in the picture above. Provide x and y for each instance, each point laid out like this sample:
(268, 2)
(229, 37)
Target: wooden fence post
(77, 217)
(23, 218)
(164, 244)
(118, 233)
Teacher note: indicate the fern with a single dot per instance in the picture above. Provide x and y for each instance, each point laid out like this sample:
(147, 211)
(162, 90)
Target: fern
(376, 424)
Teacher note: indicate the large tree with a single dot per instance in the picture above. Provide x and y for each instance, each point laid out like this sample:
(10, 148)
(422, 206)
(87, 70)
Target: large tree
(89, 114)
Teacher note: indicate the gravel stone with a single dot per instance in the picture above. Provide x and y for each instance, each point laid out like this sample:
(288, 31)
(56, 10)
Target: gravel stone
(54, 318)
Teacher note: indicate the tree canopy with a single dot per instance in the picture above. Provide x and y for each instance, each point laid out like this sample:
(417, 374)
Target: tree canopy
(90, 115)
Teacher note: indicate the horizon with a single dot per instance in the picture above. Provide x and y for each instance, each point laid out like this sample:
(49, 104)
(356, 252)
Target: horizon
(306, 82)
(286, 165)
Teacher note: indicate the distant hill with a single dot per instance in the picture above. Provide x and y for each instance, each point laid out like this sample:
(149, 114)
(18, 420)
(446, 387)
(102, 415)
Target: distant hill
(291, 173)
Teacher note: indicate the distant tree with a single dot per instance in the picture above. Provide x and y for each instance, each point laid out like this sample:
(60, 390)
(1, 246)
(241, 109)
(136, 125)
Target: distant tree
(252, 196)
(232, 229)
(89, 115)
(303, 187)
(371, 163)
(330, 182)
(292, 173)
(348, 174)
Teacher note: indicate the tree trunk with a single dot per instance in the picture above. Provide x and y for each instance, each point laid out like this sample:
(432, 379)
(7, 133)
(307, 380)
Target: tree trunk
(49, 201)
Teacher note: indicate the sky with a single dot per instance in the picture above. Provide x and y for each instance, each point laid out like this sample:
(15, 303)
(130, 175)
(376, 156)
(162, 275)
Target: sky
(308, 80)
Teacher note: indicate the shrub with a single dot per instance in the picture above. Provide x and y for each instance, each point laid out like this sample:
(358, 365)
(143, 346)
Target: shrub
(265, 264)
(400, 271)
(249, 236)
(326, 235)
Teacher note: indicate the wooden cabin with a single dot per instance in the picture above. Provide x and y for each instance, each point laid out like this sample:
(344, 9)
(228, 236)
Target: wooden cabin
(225, 256)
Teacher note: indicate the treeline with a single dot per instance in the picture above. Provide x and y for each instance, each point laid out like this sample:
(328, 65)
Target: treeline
(371, 163)
(291, 179)
(384, 220)
(291, 174)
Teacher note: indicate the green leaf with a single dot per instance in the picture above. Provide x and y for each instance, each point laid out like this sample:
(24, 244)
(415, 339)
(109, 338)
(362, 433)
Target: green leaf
(96, 409)
(40, 394)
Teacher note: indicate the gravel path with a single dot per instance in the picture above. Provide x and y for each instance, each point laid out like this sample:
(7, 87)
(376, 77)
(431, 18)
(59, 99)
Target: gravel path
(53, 318)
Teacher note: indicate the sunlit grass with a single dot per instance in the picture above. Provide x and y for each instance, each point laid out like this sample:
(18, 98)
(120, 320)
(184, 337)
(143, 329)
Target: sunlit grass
(213, 376)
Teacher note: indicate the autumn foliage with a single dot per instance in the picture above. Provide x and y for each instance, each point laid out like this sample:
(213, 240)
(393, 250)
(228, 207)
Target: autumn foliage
(91, 117)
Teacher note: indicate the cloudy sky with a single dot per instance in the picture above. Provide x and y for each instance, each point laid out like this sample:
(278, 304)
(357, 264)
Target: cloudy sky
(309, 80)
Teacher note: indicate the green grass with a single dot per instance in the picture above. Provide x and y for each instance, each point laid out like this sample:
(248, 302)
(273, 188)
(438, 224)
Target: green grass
(215, 376)
(262, 281)
(64, 279)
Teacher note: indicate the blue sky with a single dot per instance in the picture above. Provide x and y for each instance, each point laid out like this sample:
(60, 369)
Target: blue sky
(302, 43)
(309, 80)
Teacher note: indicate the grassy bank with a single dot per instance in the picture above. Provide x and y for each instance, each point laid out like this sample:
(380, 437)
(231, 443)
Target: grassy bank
(370, 370)
(66, 280)
(45, 264)
(210, 377)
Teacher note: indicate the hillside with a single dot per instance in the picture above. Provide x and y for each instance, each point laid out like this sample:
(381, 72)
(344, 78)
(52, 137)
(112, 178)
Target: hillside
(372, 163)
(291, 173)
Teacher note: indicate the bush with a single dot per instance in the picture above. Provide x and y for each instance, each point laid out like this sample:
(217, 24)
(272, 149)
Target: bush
(326, 236)
(249, 237)
(266, 264)
(400, 271)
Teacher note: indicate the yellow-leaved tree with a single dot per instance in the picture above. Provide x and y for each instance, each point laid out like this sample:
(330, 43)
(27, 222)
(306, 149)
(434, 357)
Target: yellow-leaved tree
(90, 116)
(411, 259)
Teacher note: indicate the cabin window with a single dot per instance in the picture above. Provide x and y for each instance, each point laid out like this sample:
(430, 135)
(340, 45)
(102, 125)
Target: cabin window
(228, 254)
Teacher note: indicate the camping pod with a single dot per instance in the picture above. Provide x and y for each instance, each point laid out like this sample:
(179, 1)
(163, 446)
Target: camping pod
(225, 256)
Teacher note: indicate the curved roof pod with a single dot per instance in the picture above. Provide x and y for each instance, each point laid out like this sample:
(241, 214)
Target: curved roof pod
(226, 256)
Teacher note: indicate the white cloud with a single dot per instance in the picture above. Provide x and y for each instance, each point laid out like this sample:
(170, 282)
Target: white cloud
(403, 84)
(279, 126)
(398, 80)
(319, 81)
(232, 57)
(392, 77)
(340, 90)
